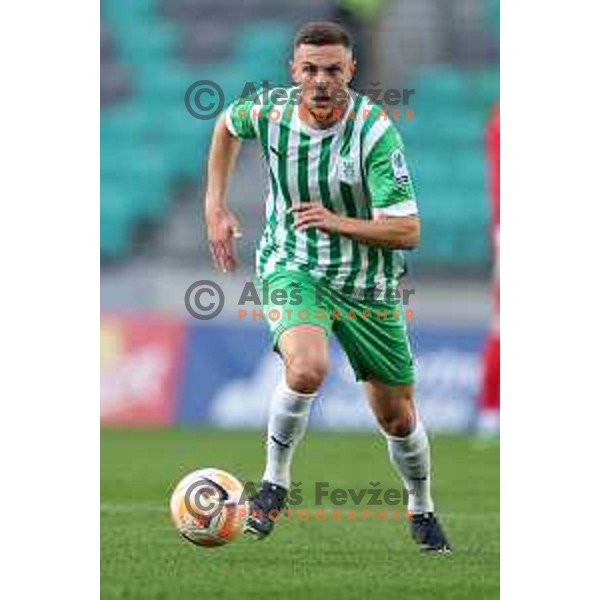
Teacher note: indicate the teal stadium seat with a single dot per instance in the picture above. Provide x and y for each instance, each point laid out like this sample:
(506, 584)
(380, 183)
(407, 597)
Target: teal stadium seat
(126, 123)
(144, 173)
(148, 43)
(163, 83)
(116, 219)
(263, 50)
(151, 141)
(445, 148)
(128, 13)
(485, 86)
(437, 85)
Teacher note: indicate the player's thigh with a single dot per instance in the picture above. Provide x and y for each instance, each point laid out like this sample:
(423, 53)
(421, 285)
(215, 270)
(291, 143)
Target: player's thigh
(305, 353)
(300, 327)
(393, 406)
(377, 344)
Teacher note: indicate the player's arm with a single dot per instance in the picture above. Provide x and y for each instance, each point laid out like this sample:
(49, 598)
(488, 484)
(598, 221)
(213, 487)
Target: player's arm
(222, 227)
(387, 232)
(395, 222)
(234, 125)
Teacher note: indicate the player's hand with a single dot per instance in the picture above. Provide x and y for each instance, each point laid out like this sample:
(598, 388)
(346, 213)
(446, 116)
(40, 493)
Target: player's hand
(314, 214)
(223, 230)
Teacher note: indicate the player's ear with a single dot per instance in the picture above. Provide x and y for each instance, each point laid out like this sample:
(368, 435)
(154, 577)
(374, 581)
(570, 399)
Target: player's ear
(294, 73)
(352, 70)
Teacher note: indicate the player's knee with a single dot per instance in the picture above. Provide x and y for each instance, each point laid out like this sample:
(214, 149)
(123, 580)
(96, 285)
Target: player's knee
(399, 425)
(400, 419)
(305, 373)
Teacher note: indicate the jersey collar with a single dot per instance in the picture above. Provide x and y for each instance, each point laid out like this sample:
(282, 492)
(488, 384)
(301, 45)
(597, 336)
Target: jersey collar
(302, 125)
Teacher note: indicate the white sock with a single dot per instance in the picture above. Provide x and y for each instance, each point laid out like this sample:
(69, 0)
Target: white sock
(288, 419)
(410, 457)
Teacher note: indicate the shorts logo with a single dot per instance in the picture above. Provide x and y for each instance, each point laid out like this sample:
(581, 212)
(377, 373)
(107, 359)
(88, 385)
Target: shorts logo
(399, 167)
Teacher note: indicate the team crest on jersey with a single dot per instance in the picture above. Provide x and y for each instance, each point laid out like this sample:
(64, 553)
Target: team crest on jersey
(399, 167)
(347, 170)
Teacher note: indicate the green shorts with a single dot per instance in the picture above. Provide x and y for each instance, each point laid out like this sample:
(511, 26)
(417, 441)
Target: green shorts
(372, 334)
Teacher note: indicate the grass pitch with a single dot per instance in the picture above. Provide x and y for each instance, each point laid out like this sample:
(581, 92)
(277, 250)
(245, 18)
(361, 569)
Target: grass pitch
(142, 556)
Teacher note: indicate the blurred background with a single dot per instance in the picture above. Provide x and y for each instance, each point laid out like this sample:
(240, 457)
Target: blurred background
(160, 366)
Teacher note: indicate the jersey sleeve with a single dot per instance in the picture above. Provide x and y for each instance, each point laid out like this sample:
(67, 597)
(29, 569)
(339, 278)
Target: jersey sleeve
(240, 118)
(387, 177)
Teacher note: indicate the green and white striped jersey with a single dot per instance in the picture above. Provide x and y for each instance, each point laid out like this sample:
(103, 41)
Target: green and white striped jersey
(355, 168)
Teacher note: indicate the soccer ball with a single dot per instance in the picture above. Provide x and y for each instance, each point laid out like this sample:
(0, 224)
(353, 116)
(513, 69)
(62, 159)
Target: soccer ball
(208, 507)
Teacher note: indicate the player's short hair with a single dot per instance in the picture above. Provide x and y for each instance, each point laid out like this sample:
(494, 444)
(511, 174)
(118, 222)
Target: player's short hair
(323, 33)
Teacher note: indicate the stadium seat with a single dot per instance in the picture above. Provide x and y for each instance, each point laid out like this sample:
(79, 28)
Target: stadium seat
(126, 122)
(194, 10)
(117, 12)
(206, 41)
(445, 148)
(114, 83)
(142, 173)
(440, 84)
(263, 50)
(116, 218)
(149, 141)
(485, 83)
(148, 42)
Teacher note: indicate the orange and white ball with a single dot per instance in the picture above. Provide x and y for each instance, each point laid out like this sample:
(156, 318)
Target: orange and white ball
(208, 507)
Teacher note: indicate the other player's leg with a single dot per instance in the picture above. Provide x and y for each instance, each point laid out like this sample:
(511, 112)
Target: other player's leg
(489, 417)
(408, 448)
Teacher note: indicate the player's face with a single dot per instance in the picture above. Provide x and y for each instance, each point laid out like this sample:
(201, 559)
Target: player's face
(320, 71)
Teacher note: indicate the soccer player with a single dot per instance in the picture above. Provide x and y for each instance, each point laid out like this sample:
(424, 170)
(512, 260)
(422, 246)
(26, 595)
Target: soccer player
(341, 209)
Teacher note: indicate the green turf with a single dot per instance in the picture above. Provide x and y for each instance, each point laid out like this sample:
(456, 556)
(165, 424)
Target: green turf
(143, 557)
